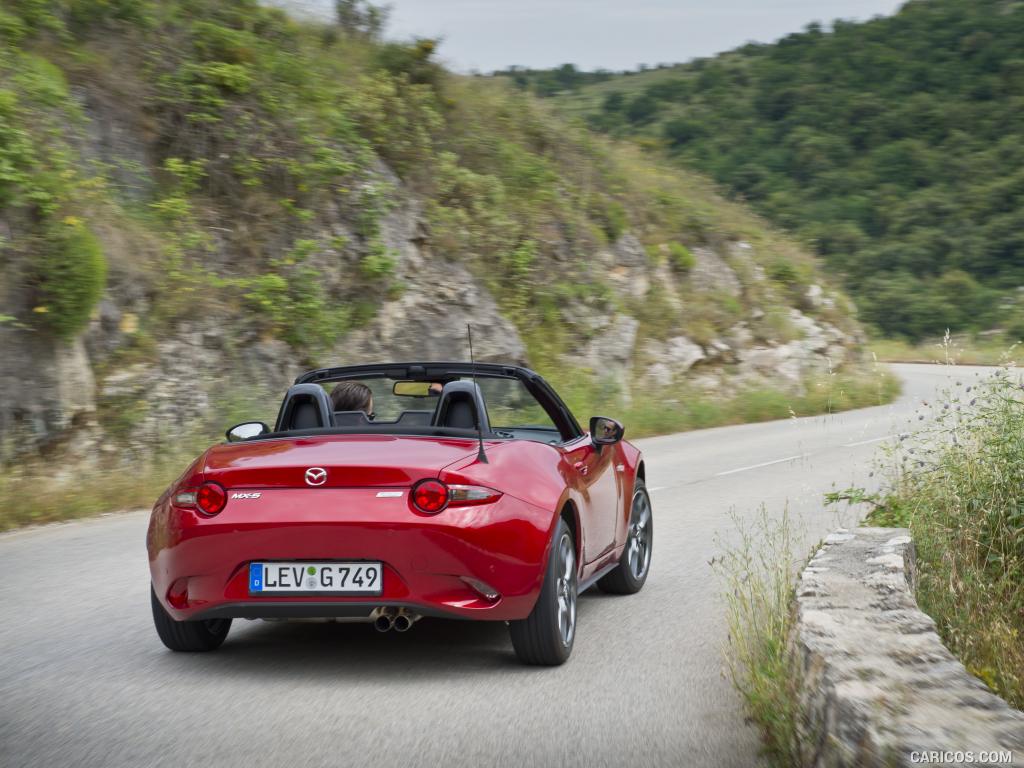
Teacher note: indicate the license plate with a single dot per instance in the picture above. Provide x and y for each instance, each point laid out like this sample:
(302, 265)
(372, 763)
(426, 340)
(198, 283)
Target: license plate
(315, 578)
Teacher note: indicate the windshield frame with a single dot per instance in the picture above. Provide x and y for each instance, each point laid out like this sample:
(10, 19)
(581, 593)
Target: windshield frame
(565, 423)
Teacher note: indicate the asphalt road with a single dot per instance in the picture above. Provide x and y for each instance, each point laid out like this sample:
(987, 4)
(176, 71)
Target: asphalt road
(84, 681)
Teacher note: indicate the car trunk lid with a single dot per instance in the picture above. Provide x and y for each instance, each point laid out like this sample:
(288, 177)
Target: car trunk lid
(333, 461)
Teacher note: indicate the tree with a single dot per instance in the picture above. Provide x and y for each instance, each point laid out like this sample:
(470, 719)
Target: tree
(641, 109)
(681, 131)
(614, 102)
(360, 17)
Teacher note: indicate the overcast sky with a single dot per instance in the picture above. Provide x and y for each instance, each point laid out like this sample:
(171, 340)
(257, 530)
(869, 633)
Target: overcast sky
(616, 34)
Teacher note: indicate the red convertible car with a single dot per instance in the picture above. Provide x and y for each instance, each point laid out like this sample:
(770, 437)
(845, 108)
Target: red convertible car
(465, 491)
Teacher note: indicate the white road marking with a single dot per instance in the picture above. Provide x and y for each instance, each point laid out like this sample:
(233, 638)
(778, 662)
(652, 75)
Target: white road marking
(758, 466)
(656, 488)
(868, 442)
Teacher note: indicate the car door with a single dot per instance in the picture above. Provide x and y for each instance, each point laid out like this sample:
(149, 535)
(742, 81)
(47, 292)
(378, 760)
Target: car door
(592, 475)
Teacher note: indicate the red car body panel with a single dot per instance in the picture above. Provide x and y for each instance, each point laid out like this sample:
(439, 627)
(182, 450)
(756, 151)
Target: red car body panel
(351, 461)
(199, 563)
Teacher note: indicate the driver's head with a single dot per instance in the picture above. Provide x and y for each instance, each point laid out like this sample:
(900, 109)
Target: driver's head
(352, 396)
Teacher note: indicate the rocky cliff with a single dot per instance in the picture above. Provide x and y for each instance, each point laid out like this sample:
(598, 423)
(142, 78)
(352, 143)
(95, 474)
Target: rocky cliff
(252, 196)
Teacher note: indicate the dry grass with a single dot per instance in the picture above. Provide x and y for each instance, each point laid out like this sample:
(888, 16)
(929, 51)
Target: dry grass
(31, 497)
(759, 573)
(958, 350)
(681, 410)
(957, 484)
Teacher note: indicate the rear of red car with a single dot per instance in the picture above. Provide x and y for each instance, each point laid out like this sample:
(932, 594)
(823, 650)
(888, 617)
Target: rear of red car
(341, 526)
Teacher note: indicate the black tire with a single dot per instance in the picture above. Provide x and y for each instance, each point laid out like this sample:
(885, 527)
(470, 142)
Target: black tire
(627, 578)
(540, 639)
(188, 635)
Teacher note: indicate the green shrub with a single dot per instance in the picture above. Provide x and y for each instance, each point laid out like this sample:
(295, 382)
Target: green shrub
(379, 263)
(613, 219)
(784, 272)
(41, 80)
(36, 15)
(682, 257)
(70, 277)
(12, 28)
(21, 182)
(295, 307)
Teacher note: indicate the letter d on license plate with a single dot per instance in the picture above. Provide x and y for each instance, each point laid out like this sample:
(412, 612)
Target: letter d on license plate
(319, 578)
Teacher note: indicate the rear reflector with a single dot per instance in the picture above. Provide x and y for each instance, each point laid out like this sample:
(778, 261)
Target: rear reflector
(485, 590)
(177, 594)
(471, 495)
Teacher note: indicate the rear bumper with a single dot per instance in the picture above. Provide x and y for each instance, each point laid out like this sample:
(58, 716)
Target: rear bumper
(199, 566)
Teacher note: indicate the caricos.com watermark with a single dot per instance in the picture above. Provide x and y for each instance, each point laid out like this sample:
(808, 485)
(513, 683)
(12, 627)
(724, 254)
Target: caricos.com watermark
(940, 757)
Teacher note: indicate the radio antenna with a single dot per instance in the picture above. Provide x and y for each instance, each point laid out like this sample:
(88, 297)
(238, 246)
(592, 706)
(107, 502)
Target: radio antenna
(481, 456)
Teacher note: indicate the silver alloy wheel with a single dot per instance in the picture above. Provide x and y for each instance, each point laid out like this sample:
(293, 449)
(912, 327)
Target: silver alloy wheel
(565, 590)
(639, 545)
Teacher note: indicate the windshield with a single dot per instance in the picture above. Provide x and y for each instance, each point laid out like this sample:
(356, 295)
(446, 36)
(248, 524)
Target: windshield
(510, 409)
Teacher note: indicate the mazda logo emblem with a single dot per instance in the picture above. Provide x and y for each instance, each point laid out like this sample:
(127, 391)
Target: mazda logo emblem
(316, 476)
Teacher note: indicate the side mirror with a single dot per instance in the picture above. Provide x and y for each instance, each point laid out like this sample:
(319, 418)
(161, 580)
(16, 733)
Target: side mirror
(605, 431)
(246, 430)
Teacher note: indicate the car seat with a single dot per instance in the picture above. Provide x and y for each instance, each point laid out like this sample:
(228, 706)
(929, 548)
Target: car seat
(459, 405)
(305, 406)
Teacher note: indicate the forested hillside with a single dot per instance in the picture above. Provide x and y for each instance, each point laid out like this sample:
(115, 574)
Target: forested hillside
(201, 198)
(895, 147)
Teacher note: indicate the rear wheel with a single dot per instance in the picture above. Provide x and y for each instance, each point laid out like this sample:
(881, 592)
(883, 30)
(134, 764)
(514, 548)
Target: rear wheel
(546, 636)
(635, 563)
(187, 635)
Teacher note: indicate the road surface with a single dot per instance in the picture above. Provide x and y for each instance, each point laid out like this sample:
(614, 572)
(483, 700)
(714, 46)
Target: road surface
(84, 681)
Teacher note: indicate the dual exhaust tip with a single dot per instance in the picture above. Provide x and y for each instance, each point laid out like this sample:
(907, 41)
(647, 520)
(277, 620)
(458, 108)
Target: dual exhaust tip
(399, 620)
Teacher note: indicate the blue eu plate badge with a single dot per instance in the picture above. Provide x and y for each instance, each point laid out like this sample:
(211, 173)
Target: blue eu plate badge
(256, 577)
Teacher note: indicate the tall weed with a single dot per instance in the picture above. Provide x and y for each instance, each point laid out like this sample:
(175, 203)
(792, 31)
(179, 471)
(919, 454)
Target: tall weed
(957, 484)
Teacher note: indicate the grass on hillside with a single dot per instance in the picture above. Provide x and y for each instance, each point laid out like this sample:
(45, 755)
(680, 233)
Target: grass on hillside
(957, 485)
(955, 350)
(682, 410)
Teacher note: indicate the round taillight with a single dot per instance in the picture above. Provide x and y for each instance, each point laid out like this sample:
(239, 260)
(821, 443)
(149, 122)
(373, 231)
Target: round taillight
(430, 496)
(211, 498)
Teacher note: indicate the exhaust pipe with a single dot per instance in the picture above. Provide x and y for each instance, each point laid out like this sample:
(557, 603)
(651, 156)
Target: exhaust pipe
(404, 620)
(387, 618)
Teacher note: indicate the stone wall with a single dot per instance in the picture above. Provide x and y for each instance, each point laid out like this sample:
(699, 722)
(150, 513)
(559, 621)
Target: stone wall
(878, 687)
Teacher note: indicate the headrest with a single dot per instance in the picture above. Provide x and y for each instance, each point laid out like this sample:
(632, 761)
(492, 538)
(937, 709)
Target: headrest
(459, 405)
(305, 406)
